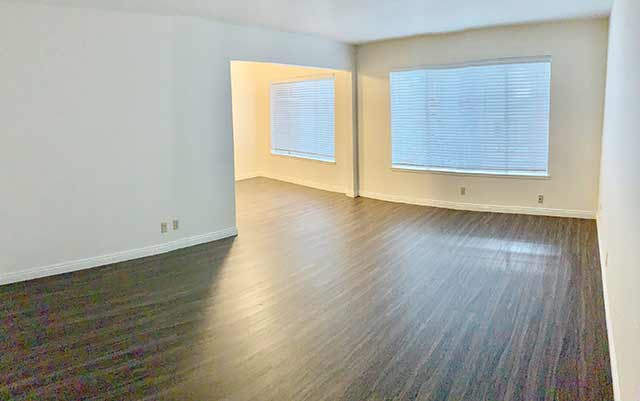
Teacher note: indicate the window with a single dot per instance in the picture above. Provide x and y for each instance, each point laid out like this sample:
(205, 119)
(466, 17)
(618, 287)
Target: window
(476, 118)
(302, 119)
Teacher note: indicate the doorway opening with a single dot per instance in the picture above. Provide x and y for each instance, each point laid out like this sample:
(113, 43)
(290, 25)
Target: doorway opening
(294, 124)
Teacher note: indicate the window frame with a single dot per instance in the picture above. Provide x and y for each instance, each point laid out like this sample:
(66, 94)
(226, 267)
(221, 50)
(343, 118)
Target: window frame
(463, 172)
(296, 155)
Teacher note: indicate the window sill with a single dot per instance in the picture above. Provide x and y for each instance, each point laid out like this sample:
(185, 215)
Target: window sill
(305, 157)
(473, 173)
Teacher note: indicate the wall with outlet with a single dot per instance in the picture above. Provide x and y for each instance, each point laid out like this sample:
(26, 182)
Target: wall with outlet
(115, 122)
(619, 215)
(578, 50)
(251, 83)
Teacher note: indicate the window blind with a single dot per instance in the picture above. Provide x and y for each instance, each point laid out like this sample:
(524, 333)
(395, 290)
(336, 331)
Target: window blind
(485, 118)
(302, 118)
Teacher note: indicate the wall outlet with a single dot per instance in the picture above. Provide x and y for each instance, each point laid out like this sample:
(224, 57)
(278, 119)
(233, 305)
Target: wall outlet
(163, 228)
(541, 199)
(176, 224)
(606, 259)
(463, 191)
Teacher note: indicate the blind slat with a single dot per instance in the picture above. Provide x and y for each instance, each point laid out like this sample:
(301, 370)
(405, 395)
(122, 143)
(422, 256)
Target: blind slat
(492, 118)
(302, 118)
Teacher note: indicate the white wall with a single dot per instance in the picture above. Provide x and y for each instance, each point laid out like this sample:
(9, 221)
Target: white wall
(578, 49)
(245, 129)
(619, 215)
(251, 84)
(113, 122)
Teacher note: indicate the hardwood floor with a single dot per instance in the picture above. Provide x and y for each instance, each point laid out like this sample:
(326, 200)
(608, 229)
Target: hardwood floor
(322, 297)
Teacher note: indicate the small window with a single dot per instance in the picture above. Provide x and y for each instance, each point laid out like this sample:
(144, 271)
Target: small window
(488, 118)
(302, 119)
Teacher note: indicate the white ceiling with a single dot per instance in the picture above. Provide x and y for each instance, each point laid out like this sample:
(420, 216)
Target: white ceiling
(358, 21)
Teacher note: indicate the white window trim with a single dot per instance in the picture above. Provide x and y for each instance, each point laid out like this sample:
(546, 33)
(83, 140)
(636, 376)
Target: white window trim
(313, 77)
(304, 156)
(530, 175)
(527, 175)
(475, 63)
(299, 155)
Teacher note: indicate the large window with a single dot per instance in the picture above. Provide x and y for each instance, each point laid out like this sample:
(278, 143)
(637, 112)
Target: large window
(475, 118)
(302, 118)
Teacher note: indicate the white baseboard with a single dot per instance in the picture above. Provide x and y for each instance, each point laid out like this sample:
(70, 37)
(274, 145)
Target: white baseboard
(305, 183)
(581, 214)
(246, 176)
(81, 264)
(607, 312)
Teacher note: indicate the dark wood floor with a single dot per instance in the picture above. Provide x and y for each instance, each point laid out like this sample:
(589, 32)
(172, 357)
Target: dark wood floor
(322, 297)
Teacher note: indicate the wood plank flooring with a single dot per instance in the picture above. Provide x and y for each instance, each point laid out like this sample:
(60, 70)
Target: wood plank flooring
(322, 297)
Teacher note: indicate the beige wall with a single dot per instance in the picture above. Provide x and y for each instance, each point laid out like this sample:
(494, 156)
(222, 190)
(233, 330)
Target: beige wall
(252, 131)
(243, 94)
(619, 215)
(578, 49)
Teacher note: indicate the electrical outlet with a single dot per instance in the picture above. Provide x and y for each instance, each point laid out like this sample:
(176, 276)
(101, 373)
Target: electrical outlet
(463, 191)
(163, 228)
(541, 199)
(176, 224)
(606, 259)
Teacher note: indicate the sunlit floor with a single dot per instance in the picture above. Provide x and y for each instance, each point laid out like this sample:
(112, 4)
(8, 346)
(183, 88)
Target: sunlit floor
(322, 297)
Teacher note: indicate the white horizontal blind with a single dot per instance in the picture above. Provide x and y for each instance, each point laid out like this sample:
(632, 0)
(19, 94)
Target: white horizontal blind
(486, 118)
(302, 118)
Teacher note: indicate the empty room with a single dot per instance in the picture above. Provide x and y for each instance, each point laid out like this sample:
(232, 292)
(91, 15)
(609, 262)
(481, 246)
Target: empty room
(320, 200)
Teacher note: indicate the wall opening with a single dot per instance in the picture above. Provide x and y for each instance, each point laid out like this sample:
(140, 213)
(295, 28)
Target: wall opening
(260, 152)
